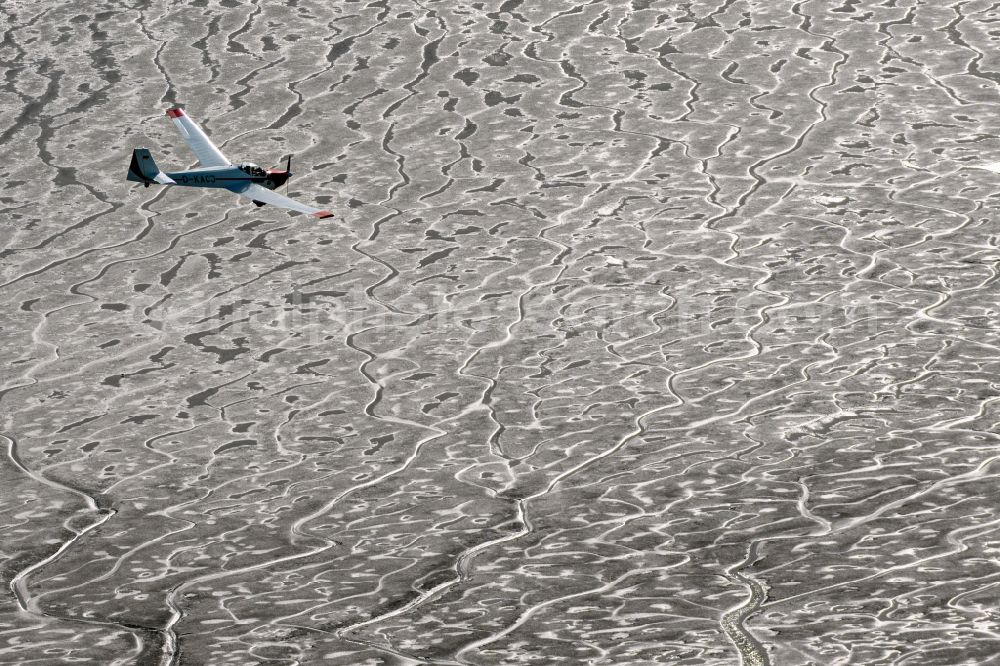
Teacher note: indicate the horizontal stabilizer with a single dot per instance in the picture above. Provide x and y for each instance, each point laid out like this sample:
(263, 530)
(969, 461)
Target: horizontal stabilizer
(143, 169)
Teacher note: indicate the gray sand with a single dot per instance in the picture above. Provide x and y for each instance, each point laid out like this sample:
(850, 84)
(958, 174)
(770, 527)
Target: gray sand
(645, 333)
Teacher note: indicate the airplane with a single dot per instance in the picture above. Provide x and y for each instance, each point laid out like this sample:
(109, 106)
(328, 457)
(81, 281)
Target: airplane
(246, 179)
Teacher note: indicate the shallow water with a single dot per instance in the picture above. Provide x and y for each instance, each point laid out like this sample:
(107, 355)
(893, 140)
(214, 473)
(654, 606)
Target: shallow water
(645, 333)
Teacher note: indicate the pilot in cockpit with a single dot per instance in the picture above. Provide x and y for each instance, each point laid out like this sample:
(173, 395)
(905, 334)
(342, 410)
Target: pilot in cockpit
(252, 169)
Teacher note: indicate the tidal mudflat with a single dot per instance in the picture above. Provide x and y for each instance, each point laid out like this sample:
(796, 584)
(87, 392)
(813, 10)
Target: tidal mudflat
(645, 333)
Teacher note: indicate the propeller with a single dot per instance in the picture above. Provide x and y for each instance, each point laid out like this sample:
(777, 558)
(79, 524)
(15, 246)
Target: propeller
(288, 173)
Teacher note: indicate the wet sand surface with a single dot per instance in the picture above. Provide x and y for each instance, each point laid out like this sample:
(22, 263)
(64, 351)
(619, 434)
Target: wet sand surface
(645, 333)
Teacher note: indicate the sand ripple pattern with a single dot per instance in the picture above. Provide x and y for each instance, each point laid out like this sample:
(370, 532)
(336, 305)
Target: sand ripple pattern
(648, 333)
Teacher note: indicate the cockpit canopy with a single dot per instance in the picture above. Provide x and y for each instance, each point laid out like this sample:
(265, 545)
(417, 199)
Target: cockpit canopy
(252, 169)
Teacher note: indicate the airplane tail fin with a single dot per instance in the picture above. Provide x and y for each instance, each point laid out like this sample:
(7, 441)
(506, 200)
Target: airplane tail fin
(144, 170)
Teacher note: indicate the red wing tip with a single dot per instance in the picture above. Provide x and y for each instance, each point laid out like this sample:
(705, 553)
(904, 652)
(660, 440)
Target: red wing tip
(322, 214)
(175, 113)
